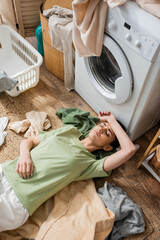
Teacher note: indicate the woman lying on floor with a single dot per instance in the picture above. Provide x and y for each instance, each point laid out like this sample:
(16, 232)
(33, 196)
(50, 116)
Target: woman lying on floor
(57, 158)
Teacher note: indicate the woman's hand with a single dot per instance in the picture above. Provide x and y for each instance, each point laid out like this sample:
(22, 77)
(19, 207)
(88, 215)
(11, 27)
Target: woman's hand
(107, 116)
(24, 167)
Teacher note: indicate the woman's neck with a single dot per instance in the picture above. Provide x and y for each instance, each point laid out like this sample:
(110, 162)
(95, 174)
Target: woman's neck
(87, 143)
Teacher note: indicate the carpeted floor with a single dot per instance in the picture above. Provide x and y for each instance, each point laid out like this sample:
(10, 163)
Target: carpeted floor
(15, 109)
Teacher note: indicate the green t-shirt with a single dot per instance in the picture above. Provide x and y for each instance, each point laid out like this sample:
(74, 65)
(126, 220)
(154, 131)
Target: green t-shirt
(59, 159)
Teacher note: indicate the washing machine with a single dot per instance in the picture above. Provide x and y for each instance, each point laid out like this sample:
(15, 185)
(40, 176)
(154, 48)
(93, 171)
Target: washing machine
(125, 79)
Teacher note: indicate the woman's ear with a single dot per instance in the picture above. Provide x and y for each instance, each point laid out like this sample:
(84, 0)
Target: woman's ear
(108, 148)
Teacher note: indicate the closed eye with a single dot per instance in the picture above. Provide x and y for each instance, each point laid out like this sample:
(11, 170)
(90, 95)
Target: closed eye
(110, 132)
(106, 133)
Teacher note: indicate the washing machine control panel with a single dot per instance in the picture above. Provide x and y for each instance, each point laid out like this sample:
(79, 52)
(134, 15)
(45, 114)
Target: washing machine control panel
(129, 30)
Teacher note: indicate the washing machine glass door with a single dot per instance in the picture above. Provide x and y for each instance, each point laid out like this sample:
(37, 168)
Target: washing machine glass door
(110, 73)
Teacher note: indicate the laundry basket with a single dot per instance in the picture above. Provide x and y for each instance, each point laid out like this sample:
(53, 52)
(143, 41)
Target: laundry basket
(19, 59)
(53, 58)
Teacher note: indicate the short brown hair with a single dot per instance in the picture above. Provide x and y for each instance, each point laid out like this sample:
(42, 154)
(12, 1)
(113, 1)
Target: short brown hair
(115, 142)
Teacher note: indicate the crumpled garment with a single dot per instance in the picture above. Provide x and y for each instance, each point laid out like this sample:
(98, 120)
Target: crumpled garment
(35, 123)
(78, 214)
(60, 30)
(82, 120)
(3, 124)
(19, 126)
(38, 122)
(88, 30)
(129, 218)
(151, 6)
(115, 3)
(89, 17)
(6, 83)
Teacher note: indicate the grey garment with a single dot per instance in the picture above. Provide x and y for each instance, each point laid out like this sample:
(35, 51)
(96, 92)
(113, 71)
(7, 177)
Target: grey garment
(128, 215)
(114, 235)
(6, 83)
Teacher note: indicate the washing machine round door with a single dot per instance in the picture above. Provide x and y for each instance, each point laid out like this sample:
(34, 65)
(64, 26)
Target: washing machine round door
(110, 73)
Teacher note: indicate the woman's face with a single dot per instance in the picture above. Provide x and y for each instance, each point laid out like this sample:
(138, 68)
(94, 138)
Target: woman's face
(102, 135)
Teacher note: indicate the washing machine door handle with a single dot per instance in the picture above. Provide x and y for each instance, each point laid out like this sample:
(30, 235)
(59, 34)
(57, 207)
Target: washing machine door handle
(120, 90)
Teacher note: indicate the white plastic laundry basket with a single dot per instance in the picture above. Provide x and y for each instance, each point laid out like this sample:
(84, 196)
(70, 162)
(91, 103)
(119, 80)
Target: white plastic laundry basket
(19, 59)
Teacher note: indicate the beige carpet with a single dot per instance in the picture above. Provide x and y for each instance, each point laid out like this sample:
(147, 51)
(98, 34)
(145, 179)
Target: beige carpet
(37, 99)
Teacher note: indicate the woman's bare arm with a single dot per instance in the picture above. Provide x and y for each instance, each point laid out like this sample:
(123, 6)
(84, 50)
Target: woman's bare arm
(25, 165)
(127, 147)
